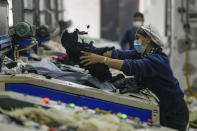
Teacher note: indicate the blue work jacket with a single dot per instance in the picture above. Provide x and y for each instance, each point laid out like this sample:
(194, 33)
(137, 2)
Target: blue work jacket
(128, 37)
(155, 73)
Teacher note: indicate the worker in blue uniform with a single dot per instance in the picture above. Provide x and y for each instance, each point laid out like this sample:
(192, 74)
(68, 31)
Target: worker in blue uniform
(150, 66)
(128, 37)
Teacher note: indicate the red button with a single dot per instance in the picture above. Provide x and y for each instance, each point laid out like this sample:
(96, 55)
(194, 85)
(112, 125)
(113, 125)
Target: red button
(46, 100)
(51, 129)
(130, 117)
(150, 121)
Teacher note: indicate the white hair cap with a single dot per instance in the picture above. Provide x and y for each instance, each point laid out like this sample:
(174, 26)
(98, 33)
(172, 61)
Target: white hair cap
(153, 34)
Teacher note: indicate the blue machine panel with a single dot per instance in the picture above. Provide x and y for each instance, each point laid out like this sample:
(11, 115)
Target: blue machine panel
(26, 42)
(42, 39)
(5, 41)
(91, 103)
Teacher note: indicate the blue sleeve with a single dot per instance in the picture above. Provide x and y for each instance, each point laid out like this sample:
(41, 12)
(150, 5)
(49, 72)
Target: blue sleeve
(141, 68)
(124, 40)
(128, 54)
(132, 38)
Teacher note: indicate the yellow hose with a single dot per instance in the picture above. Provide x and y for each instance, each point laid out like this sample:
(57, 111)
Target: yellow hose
(187, 71)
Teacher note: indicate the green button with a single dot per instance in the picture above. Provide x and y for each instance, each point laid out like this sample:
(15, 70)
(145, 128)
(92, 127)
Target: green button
(72, 105)
(124, 116)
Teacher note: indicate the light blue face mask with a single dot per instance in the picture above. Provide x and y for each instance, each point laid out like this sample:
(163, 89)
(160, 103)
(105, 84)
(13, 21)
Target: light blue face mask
(139, 47)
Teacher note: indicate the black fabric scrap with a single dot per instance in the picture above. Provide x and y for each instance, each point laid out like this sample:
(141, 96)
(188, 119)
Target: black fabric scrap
(128, 85)
(74, 48)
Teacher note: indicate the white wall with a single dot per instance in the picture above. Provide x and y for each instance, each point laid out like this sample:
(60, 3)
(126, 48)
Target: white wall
(154, 13)
(82, 13)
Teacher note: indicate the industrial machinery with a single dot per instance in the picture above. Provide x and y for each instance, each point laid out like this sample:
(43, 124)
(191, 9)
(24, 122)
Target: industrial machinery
(29, 105)
(22, 30)
(140, 105)
(5, 41)
(23, 38)
(182, 30)
(143, 105)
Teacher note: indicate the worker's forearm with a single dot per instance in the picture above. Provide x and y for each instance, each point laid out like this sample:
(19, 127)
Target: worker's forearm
(114, 63)
(108, 54)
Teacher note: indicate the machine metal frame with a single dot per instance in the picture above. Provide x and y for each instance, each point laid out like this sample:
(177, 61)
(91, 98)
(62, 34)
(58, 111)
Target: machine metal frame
(33, 84)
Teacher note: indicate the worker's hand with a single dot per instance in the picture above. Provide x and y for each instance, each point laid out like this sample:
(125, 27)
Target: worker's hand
(90, 58)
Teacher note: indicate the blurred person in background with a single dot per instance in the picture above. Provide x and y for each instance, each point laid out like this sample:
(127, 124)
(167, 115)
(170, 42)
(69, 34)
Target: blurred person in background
(128, 37)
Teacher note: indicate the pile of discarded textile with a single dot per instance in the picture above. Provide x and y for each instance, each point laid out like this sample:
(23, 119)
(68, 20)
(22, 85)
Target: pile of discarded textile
(73, 48)
(75, 120)
(50, 70)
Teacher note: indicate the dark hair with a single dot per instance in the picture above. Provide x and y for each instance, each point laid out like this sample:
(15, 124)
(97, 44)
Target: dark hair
(143, 33)
(138, 14)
